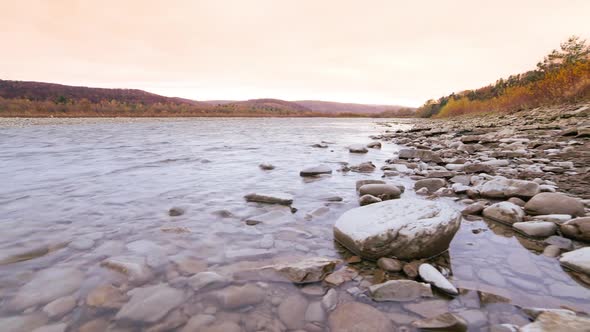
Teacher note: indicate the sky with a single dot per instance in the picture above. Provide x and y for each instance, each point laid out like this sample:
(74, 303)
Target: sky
(370, 51)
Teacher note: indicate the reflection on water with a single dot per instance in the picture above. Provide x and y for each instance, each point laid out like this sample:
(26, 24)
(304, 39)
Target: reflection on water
(75, 195)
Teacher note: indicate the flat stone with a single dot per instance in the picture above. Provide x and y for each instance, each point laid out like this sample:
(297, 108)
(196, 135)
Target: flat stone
(308, 270)
(60, 307)
(424, 155)
(330, 300)
(315, 312)
(207, 280)
(151, 303)
(361, 183)
(63, 281)
(356, 317)
(578, 260)
(316, 170)
(270, 198)
(400, 291)
(134, 267)
(106, 296)
(390, 264)
(405, 228)
(432, 276)
(292, 310)
(59, 327)
(24, 323)
(447, 322)
(428, 308)
(234, 297)
(553, 321)
(236, 254)
(536, 228)
(369, 199)
(554, 203)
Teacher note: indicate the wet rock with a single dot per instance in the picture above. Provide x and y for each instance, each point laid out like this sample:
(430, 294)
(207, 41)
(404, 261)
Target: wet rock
(505, 188)
(389, 264)
(237, 254)
(207, 280)
(551, 251)
(554, 203)
(357, 148)
(330, 300)
(63, 281)
(198, 322)
(361, 183)
(400, 290)
(553, 321)
(14, 255)
(554, 218)
(222, 327)
(535, 312)
(366, 167)
(447, 322)
(315, 312)
(341, 276)
(60, 327)
(275, 217)
(561, 242)
(422, 191)
(368, 199)
(473, 209)
(432, 276)
(151, 303)
(428, 308)
(355, 317)
(431, 184)
(504, 212)
(374, 145)
(382, 191)
(266, 167)
(308, 270)
(320, 145)
(175, 212)
(134, 267)
(478, 168)
(106, 296)
(24, 323)
(60, 307)
(292, 310)
(536, 228)
(578, 228)
(405, 229)
(315, 171)
(270, 198)
(424, 155)
(234, 297)
(578, 260)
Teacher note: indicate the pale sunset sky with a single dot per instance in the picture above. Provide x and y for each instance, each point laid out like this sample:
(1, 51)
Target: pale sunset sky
(371, 51)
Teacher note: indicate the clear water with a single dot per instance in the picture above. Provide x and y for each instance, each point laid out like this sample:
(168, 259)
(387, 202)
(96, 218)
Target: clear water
(81, 193)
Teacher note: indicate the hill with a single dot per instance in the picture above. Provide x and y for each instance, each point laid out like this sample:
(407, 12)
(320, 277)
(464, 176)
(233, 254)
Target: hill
(331, 107)
(269, 105)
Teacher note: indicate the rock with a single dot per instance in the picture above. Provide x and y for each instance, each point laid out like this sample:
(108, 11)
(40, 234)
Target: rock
(561, 242)
(60, 327)
(207, 280)
(357, 148)
(341, 276)
(60, 307)
(374, 145)
(151, 303)
(422, 191)
(400, 290)
(368, 199)
(356, 317)
(106, 296)
(428, 308)
(308, 270)
(330, 300)
(536, 228)
(517, 201)
(175, 212)
(424, 155)
(315, 312)
(237, 254)
(473, 209)
(431, 184)
(134, 267)
(389, 264)
(366, 167)
(95, 325)
(505, 188)
(320, 145)
(405, 229)
(222, 327)
(578, 260)
(478, 168)
(234, 297)
(316, 170)
(535, 312)
(63, 281)
(382, 191)
(432, 276)
(361, 183)
(266, 167)
(554, 203)
(554, 218)
(447, 322)
(553, 321)
(24, 323)
(578, 228)
(292, 310)
(504, 212)
(551, 251)
(270, 198)
(274, 217)
(198, 322)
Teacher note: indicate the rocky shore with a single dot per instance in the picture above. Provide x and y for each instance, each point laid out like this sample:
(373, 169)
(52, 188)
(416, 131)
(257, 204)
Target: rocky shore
(524, 174)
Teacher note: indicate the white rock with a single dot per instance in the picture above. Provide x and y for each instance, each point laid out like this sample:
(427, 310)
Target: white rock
(578, 260)
(555, 218)
(536, 228)
(504, 212)
(404, 228)
(432, 276)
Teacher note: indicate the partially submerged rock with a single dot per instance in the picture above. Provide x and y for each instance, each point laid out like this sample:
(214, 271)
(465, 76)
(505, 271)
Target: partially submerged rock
(357, 148)
(151, 303)
(270, 198)
(308, 270)
(356, 317)
(405, 229)
(432, 184)
(447, 322)
(432, 276)
(316, 170)
(400, 291)
(555, 321)
(382, 191)
(424, 155)
(578, 260)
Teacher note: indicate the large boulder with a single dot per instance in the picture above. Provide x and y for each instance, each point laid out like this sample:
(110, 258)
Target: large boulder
(406, 229)
(505, 212)
(505, 188)
(424, 155)
(554, 203)
(356, 317)
(578, 228)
